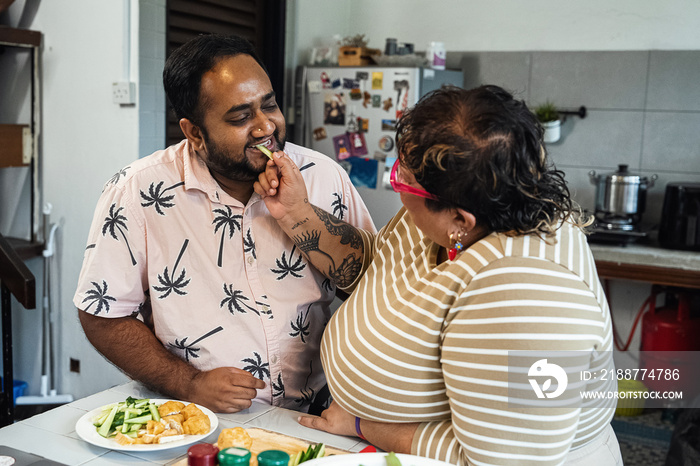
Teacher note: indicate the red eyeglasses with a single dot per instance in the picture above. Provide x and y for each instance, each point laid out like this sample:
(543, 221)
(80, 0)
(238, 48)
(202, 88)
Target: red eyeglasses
(400, 187)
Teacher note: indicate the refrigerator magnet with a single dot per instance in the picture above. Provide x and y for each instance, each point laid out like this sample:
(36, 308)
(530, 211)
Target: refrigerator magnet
(349, 83)
(314, 87)
(386, 143)
(341, 143)
(402, 98)
(355, 94)
(320, 133)
(387, 104)
(336, 83)
(376, 101)
(364, 124)
(379, 156)
(361, 75)
(362, 172)
(377, 80)
(325, 80)
(389, 125)
(334, 109)
(367, 99)
(358, 146)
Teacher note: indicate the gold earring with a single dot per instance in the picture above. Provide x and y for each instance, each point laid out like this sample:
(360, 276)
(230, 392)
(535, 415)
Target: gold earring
(457, 247)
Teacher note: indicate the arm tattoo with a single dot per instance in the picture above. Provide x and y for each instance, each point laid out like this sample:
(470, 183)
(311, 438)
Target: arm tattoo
(344, 275)
(348, 234)
(300, 223)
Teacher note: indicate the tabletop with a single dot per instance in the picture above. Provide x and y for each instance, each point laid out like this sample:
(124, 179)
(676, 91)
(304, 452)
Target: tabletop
(52, 434)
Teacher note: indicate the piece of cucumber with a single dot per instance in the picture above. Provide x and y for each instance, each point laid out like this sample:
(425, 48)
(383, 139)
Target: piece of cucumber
(264, 150)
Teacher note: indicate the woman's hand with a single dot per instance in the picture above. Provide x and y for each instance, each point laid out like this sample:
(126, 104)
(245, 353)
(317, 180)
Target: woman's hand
(334, 420)
(283, 189)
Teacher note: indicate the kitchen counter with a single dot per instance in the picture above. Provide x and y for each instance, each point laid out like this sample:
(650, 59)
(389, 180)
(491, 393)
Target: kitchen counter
(52, 434)
(648, 263)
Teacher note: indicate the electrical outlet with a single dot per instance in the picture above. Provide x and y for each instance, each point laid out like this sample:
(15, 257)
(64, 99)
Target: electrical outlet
(124, 93)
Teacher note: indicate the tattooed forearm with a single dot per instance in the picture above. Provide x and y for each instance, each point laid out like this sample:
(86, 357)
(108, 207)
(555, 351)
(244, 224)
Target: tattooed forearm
(348, 234)
(308, 241)
(344, 275)
(300, 223)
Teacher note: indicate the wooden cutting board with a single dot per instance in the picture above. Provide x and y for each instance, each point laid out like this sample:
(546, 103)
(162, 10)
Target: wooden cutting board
(268, 440)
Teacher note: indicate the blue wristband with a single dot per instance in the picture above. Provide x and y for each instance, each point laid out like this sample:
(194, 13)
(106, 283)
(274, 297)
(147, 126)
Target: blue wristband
(357, 428)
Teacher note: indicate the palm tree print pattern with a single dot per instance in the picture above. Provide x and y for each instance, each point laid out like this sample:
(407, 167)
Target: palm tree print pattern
(278, 388)
(257, 367)
(300, 328)
(156, 197)
(190, 350)
(117, 176)
(235, 300)
(338, 207)
(249, 244)
(289, 267)
(98, 295)
(114, 222)
(307, 393)
(226, 221)
(169, 284)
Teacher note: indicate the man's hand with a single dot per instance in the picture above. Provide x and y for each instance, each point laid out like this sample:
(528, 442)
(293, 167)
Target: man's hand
(125, 341)
(283, 189)
(334, 420)
(225, 389)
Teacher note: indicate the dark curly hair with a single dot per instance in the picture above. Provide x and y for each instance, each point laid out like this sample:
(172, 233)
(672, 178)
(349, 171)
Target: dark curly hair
(481, 150)
(184, 68)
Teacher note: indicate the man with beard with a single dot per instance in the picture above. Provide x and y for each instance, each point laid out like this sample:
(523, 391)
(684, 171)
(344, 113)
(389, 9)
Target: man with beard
(188, 285)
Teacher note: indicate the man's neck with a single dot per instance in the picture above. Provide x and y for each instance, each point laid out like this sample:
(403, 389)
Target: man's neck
(239, 190)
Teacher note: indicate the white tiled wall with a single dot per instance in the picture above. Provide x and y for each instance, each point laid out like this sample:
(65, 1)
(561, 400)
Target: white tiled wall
(151, 60)
(643, 110)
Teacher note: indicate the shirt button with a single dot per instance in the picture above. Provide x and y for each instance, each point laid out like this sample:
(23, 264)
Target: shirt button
(250, 260)
(273, 359)
(266, 308)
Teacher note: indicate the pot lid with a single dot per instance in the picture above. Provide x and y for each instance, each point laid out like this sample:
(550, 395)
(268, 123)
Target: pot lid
(624, 175)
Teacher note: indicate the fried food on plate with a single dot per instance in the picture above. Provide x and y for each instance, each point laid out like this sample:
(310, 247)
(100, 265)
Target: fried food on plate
(235, 437)
(170, 407)
(197, 425)
(191, 410)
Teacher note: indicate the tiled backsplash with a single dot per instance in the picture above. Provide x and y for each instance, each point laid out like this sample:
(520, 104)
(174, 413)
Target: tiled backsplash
(643, 111)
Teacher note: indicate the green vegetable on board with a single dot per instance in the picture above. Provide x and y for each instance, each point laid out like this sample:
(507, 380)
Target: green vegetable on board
(312, 452)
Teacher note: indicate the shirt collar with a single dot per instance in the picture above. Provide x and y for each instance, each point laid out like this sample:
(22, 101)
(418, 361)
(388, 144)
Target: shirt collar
(198, 176)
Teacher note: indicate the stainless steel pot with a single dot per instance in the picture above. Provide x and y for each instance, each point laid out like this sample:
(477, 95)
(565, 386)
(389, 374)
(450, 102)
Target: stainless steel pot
(621, 194)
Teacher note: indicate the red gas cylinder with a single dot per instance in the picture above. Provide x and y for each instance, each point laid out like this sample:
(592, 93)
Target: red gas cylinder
(670, 335)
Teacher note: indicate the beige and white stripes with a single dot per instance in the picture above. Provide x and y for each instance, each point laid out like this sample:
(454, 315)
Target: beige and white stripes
(420, 342)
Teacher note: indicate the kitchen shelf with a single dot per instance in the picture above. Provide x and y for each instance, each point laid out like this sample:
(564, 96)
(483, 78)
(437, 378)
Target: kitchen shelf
(19, 37)
(648, 263)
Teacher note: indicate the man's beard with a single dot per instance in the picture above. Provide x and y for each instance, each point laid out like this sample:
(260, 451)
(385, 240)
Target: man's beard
(238, 168)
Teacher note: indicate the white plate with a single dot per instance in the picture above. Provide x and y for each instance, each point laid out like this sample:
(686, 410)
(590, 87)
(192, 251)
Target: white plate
(373, 459)
(88, 432)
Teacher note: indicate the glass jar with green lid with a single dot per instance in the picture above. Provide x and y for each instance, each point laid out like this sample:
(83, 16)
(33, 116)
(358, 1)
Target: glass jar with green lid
(273, 458)
(234, 456)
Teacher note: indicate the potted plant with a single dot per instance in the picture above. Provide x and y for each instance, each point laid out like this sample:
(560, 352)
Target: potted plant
(549, 117)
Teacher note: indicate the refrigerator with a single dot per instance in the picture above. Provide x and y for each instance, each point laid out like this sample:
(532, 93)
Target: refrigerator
(350, 114)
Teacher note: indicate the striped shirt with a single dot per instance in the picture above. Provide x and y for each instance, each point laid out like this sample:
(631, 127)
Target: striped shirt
(424, 342)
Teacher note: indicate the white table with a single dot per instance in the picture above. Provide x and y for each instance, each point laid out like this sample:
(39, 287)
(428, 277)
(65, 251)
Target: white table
(52, 434)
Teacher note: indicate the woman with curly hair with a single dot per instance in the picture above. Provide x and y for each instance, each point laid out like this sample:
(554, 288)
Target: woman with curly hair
(476, 310)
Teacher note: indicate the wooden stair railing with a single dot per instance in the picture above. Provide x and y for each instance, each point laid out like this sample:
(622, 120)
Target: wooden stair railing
(15, 279)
